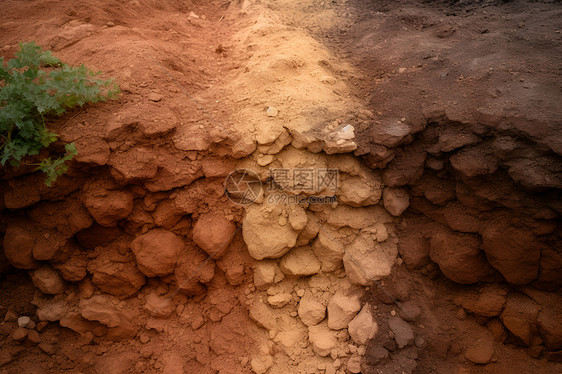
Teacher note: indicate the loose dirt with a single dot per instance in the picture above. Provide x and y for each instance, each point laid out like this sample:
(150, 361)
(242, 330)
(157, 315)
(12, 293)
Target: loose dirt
(441, 255)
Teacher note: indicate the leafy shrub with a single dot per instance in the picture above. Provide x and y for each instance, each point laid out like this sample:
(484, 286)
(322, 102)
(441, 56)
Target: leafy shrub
(29, 95)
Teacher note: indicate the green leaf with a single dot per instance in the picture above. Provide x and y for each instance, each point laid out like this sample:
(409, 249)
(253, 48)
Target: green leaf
(29, 95)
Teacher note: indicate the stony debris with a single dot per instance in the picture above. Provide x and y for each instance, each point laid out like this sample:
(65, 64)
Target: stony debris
(311, 311)
(409, 311)
(53, 311)
(279, 300)
(396, 200)
(342, 308)
(159, 306)
(481, 351)
(267, 231)
(487, 300)
(20, 334)
(48, 280)
(519, 317)
(403, 332)
(328, 249)
(266, 273)
(363, 327)
(366, 261)
(354, 364)
(213, 233)
(322, 339)
(300, 261)
(156, 252)
(107, 205)
(26, 322)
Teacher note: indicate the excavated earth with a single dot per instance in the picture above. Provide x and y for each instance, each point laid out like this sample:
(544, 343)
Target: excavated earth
(442, 254)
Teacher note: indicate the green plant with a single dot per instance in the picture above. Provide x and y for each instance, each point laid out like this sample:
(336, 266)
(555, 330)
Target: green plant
(29, 95)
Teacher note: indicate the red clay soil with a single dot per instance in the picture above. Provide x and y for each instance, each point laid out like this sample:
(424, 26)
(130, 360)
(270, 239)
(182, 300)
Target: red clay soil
(124, 255)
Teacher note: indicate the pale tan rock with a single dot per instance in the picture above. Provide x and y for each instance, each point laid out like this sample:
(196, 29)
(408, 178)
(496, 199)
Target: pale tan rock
(363, 326)
(328, 249)
(342, 308)
(279, 300)
(396, 200)
(300, 261)
(311, 311)
(366, 260)
(322, 339)
(264, 234)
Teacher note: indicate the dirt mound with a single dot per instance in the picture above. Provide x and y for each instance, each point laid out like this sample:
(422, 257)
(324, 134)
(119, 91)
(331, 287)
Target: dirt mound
(404, 173)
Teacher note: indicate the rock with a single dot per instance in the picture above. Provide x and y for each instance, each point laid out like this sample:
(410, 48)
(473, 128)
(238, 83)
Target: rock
(409, 311)
(354, 364)
(153, 96)
(396, 200)
(452, 137)
(264, 234)
(414, 249)
(300, 262)
(46, 348)
(261, 364)
(474, 162)
(74, 268)
(114, 273)
(311, 311)
(279, 300)
(519, 317)
(11, 315)
(322, 339)
(481, 351)
(376, 355)
(487, 300)
(48, 280)
(550, 326)
(82, 326)
(403, 332)
(328, 249)
(366, 261)
(390, 133)
(459, 257)
(342, 308)
(309, 232)
(156, 252)
(100, 308)
(107, 206)
(213, 234)
(406, 166)
(514, 252)
(53, 311)
(497, 329)
(363, 327)
(33, 337)
(18, 246)
(340, 142)
(20, 334)
(360, 191)
(272, 111)
(265, 273)
(24, 321)
(159, 306)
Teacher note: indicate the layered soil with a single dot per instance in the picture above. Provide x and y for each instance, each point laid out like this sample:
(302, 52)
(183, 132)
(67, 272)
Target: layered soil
(441, 254)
